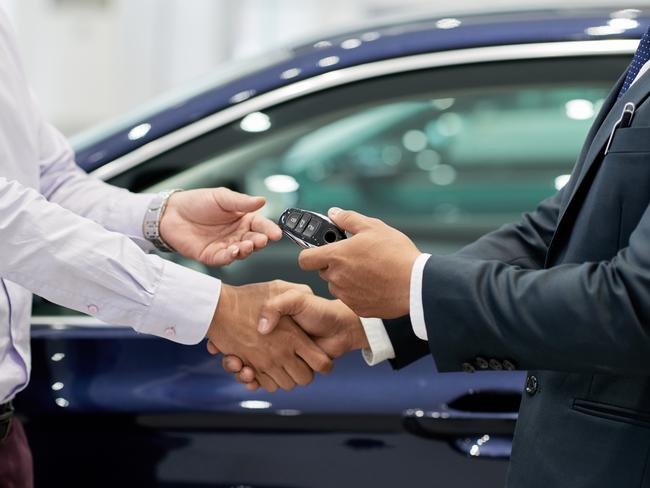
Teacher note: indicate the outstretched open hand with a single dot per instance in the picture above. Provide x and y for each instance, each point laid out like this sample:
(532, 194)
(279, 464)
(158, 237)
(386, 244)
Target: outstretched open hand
(216, 225)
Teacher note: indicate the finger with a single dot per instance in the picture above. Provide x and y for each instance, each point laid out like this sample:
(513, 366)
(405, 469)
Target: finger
(325, 274)
(212, 349)
(253, 383)
(299, 371)
(281, 378)
(252, 386)
(316, 258)
(266, 227)
(315, 358)
(232, 201)
(259, 240)
(349, 220)
(267, 383)
(291, 302)
(245, 249)
(222, 256)
(232, 364)
(247, 374)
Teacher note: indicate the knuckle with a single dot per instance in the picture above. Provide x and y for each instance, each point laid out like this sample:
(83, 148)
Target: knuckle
(304, 288)
(323, 365)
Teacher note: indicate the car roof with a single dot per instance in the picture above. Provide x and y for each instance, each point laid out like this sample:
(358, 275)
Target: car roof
(372, 43)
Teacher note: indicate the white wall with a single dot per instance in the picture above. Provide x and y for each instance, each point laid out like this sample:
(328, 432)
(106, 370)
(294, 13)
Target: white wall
(89, 60)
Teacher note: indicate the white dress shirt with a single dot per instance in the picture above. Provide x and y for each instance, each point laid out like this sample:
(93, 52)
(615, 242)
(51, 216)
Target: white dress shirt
(63, 236)
(381, 347)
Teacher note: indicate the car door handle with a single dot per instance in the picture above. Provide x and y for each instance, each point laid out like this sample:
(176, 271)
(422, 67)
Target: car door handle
(468, 430)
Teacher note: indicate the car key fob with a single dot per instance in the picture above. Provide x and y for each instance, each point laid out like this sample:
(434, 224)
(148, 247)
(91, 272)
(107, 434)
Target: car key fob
(309, 229)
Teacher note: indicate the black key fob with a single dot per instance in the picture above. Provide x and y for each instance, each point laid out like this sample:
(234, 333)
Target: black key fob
(309, 229)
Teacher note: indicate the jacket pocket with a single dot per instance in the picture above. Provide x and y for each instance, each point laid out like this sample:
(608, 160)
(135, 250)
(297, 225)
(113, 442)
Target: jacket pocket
(612, 412)
(631, 140)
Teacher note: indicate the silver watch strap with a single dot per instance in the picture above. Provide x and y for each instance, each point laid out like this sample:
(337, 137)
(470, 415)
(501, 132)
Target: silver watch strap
(151, 223)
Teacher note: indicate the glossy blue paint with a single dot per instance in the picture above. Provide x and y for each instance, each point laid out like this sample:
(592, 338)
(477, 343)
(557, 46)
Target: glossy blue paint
(119, 370)
(388, 41)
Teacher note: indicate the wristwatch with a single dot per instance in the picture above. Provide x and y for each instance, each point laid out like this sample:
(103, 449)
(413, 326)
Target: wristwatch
(152, 217)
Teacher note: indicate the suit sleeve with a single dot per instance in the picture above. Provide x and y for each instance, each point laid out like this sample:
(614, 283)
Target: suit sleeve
(599, 311)
(524, 243)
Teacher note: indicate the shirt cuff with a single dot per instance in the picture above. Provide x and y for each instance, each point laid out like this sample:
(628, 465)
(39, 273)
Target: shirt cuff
(183, 306)
(381, 348)
(416, 306)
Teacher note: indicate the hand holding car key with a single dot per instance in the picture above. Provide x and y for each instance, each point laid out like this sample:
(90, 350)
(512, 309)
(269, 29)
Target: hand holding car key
(309, 229)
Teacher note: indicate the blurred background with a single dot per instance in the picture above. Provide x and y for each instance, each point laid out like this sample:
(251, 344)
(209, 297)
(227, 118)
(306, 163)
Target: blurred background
(90, 60)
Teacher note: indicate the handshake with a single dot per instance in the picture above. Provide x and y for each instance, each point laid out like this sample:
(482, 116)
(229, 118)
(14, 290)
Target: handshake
(277, 334)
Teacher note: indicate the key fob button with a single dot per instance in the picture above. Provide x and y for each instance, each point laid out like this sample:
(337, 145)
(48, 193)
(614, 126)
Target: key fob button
(292, 220)
(311, 228)
(302, 224)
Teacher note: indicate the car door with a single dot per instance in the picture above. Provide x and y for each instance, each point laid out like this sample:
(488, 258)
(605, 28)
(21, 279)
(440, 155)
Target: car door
(444, 155)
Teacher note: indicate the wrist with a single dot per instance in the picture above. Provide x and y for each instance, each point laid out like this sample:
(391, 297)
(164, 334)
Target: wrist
(168, 216)
(155, 219)
(351, 323)
(226, 305)
(359, 339)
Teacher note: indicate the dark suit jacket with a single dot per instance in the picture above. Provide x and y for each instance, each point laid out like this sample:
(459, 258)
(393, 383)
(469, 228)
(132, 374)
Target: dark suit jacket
(565, 294)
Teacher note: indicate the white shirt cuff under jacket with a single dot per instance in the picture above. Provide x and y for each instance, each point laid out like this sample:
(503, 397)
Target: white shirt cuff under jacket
(416, 306)
(381, 348)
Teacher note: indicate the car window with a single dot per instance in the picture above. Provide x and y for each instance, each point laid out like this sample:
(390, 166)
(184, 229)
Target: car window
(468, 158)
(444, 155)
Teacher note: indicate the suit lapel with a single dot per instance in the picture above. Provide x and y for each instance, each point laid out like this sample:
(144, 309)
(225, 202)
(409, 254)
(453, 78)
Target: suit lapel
(600, 118)
(601, 132)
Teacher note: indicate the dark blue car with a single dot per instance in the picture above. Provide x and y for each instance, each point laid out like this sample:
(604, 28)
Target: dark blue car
(445, 128)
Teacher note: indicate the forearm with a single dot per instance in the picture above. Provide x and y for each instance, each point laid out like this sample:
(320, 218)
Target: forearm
(75, 262)
(589, 317)
(64, 183)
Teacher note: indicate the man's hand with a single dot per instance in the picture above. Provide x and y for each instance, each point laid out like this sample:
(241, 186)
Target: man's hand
(371, 271)
(331, 324)
(283, 358)
(216, 226)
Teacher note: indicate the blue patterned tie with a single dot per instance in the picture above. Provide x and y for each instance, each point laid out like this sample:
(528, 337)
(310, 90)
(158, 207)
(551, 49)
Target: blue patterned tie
(641, 57)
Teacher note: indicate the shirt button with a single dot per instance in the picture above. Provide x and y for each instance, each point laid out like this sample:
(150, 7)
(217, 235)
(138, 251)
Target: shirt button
(93, 309)
(468, 368)
(170, 332)
(532, 385)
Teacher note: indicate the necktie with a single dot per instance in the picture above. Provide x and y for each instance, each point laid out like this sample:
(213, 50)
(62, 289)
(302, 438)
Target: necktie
(641, 57)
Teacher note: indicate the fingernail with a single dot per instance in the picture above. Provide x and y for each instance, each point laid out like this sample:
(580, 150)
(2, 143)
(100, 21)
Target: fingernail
(263, 326)
(234, 250)
(334, 211)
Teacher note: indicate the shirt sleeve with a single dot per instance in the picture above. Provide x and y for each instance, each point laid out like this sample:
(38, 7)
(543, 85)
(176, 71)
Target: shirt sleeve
(73, 261)
(381, 348)
(416, 307)
(63, 182)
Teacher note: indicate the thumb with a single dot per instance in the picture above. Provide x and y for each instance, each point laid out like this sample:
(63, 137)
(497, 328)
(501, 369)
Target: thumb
(232, 201)
(291, 302)
(349, 220)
